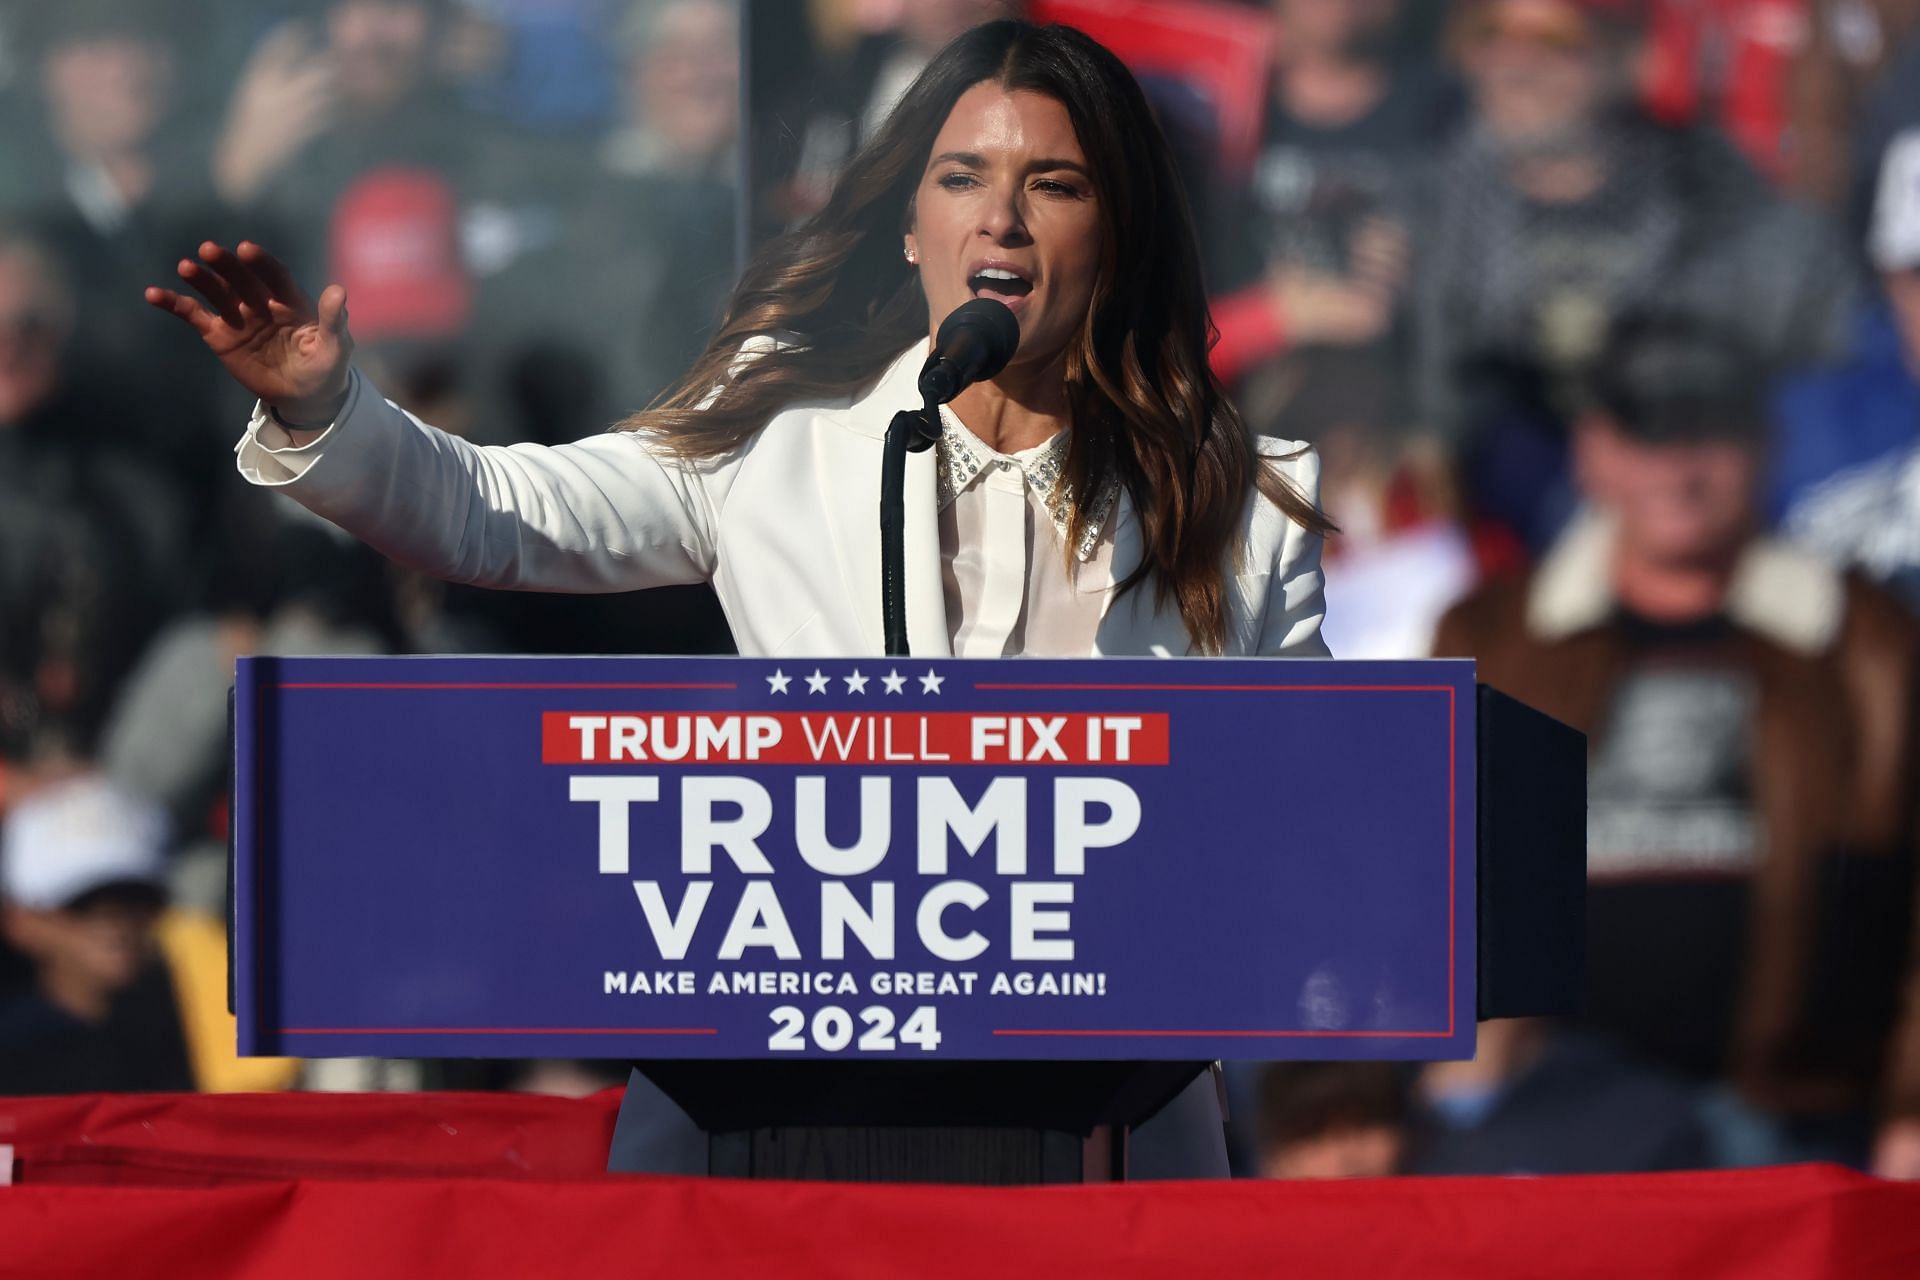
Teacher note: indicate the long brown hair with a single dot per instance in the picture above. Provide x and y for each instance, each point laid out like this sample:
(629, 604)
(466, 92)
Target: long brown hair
(1145, 408)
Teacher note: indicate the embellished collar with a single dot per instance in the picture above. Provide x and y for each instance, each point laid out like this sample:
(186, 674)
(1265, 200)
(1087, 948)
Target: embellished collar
(963, 457)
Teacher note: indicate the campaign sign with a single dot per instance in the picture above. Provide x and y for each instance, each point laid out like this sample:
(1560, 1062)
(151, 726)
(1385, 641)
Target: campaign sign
(747, 858)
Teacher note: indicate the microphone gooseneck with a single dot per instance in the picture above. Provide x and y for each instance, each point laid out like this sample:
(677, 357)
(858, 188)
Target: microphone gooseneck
(973, 344)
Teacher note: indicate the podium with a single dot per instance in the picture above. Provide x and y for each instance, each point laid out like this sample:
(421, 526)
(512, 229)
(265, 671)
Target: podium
(929, 919)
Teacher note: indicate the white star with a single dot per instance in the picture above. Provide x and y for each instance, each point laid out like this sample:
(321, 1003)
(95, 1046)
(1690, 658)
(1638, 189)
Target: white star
(778, 681)
(894, 681)
(930, 683)
(816, 683)
(856, 683)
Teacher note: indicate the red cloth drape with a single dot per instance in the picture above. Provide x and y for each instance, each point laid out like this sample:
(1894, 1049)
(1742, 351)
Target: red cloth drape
(221, 1139)
(426, 1186)
(1806, 1223)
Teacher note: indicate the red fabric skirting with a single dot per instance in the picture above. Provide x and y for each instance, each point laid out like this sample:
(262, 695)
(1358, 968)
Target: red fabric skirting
(374, 1198)
(1791, 1224)
(206, 1140)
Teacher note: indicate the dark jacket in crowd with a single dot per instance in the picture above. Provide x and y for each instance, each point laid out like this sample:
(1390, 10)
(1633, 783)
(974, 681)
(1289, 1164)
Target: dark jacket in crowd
(1679, 223)
(1789, 973)
(1581, 1107)
(140, 1048)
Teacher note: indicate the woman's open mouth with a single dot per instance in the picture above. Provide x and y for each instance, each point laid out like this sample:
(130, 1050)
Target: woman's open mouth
(1001, 283)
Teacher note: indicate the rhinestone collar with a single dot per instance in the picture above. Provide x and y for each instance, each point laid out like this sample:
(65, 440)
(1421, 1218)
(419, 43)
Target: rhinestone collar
(963, 456)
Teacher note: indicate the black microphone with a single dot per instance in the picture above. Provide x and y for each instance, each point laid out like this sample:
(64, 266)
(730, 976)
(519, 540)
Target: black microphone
(974, 343)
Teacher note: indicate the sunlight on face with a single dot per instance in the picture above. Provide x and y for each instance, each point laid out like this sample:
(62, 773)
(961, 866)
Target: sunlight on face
(1007, 210)
(1538, 68)
(1678, 503)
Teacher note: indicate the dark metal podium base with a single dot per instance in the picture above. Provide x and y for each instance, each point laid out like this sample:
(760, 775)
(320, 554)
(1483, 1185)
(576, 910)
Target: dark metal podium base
(979, 1123)
(973, 1156)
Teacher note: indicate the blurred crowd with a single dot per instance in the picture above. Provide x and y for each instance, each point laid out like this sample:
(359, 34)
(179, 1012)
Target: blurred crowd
(1604, 316)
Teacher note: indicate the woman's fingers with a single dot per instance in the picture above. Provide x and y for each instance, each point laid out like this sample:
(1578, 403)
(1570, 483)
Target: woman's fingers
(274, 274)
(181, 305)
(214, 290)
(333, 309)
(239, 278)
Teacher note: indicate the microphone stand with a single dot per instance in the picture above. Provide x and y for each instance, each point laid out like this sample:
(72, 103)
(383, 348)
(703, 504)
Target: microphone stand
(911, 431)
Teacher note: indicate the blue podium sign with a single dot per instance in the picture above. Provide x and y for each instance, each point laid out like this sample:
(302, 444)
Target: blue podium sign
(744, 858)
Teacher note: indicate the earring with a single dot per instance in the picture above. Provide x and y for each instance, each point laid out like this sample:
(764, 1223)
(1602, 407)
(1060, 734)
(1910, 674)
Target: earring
(913, 258)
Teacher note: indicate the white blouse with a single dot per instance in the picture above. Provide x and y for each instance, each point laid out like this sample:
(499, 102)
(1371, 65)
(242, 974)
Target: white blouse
(1011, 585)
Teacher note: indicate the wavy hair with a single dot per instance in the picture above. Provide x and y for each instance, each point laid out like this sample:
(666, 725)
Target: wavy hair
(1145, 409)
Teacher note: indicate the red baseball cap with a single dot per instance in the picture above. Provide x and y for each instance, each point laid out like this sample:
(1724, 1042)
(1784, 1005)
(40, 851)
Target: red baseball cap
(395, 246)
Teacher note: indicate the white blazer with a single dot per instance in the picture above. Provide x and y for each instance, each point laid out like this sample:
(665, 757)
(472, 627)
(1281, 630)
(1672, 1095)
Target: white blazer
(787, 527)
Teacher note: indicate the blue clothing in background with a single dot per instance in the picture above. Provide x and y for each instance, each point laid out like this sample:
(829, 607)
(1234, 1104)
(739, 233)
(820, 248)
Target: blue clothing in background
(559, 72)
(1845, 415)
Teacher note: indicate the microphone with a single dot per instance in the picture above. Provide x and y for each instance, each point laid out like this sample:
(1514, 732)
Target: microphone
(974, 343)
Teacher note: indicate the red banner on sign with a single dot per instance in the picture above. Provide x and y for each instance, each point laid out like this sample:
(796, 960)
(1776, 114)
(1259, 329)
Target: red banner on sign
(797, 737)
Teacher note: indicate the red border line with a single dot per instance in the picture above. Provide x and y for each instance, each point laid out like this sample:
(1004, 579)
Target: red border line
(262, 909)
(1453, 837)
(1229, 688)
(499, 1031)
(434, 684)
(1268, 1035)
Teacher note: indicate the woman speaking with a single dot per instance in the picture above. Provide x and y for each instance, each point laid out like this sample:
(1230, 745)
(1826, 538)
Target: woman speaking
(1098, 496)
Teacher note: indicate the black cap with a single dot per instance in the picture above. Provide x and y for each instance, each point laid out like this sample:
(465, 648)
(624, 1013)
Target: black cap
(1676, 379)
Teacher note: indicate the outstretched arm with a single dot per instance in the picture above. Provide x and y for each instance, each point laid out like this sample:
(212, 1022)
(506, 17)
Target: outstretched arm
(604, 514)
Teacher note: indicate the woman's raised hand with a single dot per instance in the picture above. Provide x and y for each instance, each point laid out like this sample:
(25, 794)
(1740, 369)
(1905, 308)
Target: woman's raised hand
(275, 341)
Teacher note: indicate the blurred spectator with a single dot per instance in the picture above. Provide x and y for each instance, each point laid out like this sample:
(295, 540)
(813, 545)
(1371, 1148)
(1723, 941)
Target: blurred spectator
(1536, 1098)
(1869, 515)
(1331, 1120)
(349, 141)
(351, 154)
(331, 105)
(1749, 711)
(92, 553)
(662, 206)
(167, 737)
(112, 186)
(1562, 207)
(1321, 231)
(681, 112)
(854, 94)
(1889, 105)
(1847, 48)
(80, 890)
(1402, 556)
(538, 64)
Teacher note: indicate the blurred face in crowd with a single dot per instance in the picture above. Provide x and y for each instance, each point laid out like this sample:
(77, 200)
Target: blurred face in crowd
(1331, 26)
(33, 329)
(1679, 503)
(1006, 209)
(1540, 70)
(686, 81)
(1371, 1152)
(1903, 294)
(929, 25)
(89, 951)
(105, 95)
(379, 49)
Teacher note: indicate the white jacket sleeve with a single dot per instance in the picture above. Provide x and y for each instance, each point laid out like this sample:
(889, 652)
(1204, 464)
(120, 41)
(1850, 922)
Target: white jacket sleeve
(1296, 593)
(603, 514)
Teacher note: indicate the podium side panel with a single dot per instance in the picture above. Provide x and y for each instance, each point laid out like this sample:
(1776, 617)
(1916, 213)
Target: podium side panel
(1532, 789)
(252, 985)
